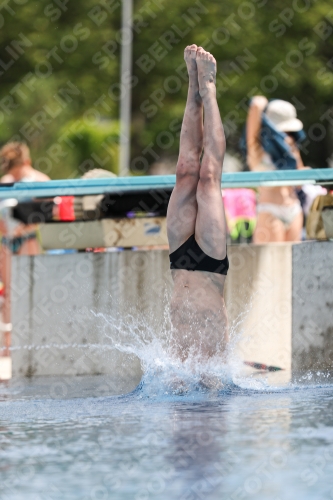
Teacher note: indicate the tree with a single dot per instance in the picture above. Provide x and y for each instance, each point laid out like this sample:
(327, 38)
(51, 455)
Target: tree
(60, 72)
(51, 53)
(282, 50)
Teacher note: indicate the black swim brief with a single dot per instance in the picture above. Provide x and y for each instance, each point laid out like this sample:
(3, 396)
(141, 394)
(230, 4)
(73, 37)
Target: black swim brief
(15, 244)
(190, 257)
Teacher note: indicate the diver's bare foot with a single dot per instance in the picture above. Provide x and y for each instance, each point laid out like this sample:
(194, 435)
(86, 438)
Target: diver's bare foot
(190, 55)
(206, 65)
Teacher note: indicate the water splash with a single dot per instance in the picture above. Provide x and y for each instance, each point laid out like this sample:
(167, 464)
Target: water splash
(147, 338)
(163, 373)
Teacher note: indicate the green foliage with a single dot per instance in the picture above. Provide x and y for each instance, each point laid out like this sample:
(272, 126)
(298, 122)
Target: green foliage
(280, 48)
(65, 69)
(92, 146)
(53, 77)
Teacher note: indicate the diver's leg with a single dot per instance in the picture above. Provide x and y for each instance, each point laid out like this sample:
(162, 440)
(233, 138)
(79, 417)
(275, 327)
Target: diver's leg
(182, 209)
(210, 229)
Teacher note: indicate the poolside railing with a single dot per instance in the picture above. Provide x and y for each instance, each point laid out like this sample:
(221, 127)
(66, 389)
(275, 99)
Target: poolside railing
(82, 187)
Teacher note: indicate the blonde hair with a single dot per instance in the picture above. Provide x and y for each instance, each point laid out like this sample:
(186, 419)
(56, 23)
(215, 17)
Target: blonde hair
(12, 155)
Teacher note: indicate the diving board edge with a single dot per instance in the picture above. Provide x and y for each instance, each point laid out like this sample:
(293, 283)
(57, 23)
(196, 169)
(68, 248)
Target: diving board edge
(82, 187)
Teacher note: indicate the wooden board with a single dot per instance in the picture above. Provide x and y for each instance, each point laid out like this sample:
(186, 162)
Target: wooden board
(143, 231)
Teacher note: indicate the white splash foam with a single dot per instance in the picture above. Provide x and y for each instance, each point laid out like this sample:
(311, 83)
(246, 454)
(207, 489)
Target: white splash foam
(133, 334)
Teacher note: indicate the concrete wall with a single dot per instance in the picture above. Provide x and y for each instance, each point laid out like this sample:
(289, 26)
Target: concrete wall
(258, 298)
(275, 295)
(312, 305)
(55, 299)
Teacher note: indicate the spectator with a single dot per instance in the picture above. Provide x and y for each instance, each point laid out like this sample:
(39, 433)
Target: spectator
(17, 238)
(15, 164)
(272, 134)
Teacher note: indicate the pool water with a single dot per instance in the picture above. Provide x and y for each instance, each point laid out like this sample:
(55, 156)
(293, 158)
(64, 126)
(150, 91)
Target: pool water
(232, 443)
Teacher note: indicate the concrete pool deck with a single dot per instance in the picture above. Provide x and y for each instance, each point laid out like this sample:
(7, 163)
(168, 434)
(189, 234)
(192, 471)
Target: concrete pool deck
(279, 299)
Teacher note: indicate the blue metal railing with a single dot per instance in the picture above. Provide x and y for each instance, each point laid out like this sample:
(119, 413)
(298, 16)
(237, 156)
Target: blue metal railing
(80, 187)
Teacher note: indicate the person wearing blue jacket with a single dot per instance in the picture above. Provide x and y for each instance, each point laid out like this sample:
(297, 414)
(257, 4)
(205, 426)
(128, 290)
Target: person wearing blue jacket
(272, 135)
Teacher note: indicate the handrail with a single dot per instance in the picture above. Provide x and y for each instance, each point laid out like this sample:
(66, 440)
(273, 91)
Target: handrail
(81, 187)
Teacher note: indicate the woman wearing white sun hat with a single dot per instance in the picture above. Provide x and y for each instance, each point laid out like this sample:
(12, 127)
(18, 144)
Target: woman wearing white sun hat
(272, 133)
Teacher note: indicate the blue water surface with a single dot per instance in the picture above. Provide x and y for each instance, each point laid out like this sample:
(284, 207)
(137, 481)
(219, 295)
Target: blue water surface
(85, 443)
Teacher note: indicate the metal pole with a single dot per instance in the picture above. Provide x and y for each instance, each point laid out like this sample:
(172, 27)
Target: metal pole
(125, 80)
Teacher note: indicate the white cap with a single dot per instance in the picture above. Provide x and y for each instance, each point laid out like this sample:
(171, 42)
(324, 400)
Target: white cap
(98, 173)
(283, 115)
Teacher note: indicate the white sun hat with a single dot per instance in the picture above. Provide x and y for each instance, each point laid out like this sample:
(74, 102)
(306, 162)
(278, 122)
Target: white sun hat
(283, 115)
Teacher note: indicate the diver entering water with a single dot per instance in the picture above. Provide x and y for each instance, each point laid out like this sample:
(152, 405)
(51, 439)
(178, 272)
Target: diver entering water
(196, 221)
